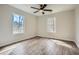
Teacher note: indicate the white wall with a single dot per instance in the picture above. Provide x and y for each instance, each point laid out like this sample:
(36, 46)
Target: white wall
(6, 35)
(77, 26)
(64, 26)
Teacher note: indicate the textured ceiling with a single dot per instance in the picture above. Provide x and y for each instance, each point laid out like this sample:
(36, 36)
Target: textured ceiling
(55, 7)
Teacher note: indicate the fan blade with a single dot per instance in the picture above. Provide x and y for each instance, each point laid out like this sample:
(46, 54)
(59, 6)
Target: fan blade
(35, 8)
(45, 5)
(42, 6)
(48, 10)
(36, 11)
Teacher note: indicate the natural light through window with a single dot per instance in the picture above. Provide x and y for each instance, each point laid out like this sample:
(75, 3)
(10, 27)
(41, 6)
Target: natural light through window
(51, 24)
(18, 23)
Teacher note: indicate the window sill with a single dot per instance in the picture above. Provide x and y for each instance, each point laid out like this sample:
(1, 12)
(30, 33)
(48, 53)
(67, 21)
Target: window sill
(17, 33)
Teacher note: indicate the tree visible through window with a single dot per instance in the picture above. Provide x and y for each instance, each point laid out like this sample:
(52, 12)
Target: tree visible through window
(51, 24)
(18, 23)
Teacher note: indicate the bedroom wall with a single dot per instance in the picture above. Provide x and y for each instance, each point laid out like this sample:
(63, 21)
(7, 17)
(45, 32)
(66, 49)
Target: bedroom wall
(6, 35)
(64, 26)
(77, 25)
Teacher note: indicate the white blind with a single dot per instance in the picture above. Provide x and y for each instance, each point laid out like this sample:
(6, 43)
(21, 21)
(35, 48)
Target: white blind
(51, 24)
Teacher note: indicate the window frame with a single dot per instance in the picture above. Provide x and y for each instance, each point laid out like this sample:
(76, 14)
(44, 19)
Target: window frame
(53, 24)
(13, 23)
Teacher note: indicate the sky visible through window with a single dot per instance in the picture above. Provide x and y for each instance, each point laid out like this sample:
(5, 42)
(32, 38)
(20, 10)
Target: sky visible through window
(17, 24)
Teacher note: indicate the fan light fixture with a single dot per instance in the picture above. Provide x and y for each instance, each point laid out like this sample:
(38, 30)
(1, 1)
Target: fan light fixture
(41, 11)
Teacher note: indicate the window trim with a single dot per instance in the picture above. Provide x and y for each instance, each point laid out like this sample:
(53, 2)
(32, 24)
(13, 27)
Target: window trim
(12, 23)
(53, 24)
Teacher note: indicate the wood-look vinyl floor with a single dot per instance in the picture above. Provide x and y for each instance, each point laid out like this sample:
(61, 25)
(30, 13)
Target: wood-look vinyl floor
(43, 46)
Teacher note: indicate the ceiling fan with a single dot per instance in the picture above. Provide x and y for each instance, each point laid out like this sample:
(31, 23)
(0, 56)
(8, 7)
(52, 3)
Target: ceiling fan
(42, 8)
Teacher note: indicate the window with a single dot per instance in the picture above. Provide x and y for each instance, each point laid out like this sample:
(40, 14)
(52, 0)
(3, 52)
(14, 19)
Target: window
(51, 24)
(18, 23)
